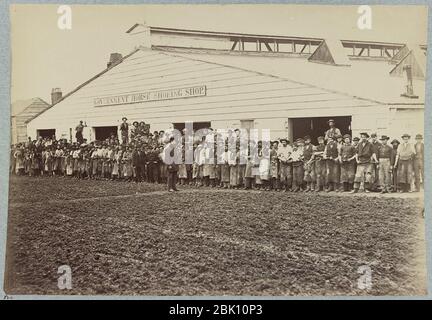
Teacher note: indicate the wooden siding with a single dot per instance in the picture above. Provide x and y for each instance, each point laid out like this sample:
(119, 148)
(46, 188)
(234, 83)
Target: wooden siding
(233, 94)
(19, 121)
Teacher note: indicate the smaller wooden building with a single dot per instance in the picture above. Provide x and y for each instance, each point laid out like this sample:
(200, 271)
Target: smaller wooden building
(22, 111)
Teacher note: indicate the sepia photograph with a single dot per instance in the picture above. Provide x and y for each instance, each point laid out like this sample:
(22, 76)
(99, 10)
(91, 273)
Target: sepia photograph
(235, 150)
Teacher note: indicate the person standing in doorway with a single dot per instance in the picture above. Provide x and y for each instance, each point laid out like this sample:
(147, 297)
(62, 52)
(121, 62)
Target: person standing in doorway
(332, 131)
(79, 132)
(124, 130)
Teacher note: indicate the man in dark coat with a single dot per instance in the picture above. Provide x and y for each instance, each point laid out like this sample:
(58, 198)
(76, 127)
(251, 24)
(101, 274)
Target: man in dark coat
(418, 161)
(172, 166)
(365, 155)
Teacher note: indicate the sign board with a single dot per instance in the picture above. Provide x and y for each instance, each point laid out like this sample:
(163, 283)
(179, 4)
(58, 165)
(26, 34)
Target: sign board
(169, 94)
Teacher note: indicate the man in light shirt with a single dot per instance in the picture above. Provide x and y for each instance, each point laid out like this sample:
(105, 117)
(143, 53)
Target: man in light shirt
(404, 163)
(284, 155)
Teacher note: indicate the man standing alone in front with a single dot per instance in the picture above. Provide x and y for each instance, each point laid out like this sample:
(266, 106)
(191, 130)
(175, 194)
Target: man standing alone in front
(364, 157)
(169, 158)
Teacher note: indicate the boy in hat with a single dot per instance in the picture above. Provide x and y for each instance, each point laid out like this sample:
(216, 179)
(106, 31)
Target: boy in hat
(196, 179)
(249, 176)
(234, 167)
(355, 142)
(115, 173)
(264, 164)
(58, 154)
(404, 164)
(225, 169)
(284, 155)
(395, 144)
(134, 132)
(375, 166)
(331, 155)
(347, 154)
(384, 164)
(208, 165)
(274, 166)
(319, 163)
(418, 162)
(76, 161)
(297, 165)
(309, 176)
(19, 157)
(364, 157)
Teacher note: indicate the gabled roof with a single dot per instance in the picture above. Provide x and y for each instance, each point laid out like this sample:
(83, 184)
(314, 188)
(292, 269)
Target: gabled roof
(20, 107)
(330, 51)
(85, 83)
(363, 79)
(233, 91)
(414, 57)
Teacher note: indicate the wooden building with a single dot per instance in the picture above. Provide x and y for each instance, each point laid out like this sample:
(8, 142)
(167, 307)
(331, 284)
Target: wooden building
(228, 80)
(21, 112)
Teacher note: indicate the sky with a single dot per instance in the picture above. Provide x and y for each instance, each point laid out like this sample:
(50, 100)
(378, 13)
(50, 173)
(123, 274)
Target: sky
(45, 57)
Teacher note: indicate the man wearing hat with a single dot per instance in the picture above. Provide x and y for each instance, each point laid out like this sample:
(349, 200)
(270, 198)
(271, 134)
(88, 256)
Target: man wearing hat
(418, 161)
(124, 130)
(79, 132)
(274, 165)
(347, 154)
(319, 163)
(404, 164)
(331, 156)
(364, 157)
(333, 131)
(355, 142)
(297, 165)
(384, 164)
(374, 167)
(285, 167)
(172, 167)
(395, 144)
(309, 176)
(134, 130)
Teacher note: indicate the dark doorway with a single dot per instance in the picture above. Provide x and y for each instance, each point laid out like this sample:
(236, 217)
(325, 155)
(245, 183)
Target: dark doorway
(46, 133)
(317, 126)
(196, 125)
(102, 133)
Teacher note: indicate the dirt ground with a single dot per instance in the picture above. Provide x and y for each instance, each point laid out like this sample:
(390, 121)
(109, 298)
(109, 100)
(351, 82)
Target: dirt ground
(138, 239)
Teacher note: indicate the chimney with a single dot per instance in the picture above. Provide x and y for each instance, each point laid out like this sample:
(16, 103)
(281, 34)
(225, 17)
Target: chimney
(56, 95)
(115, 58)
(409, 87)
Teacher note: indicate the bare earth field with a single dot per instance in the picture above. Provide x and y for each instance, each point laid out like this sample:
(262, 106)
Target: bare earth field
(138, 239)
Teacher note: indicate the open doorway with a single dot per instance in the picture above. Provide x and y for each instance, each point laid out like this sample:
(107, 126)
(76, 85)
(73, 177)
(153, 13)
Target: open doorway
(317, 126)
(46, 133)
(196, 125)
(102, 133)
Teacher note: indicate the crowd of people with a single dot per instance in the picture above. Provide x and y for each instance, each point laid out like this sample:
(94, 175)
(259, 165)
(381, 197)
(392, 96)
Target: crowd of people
(336, 163)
